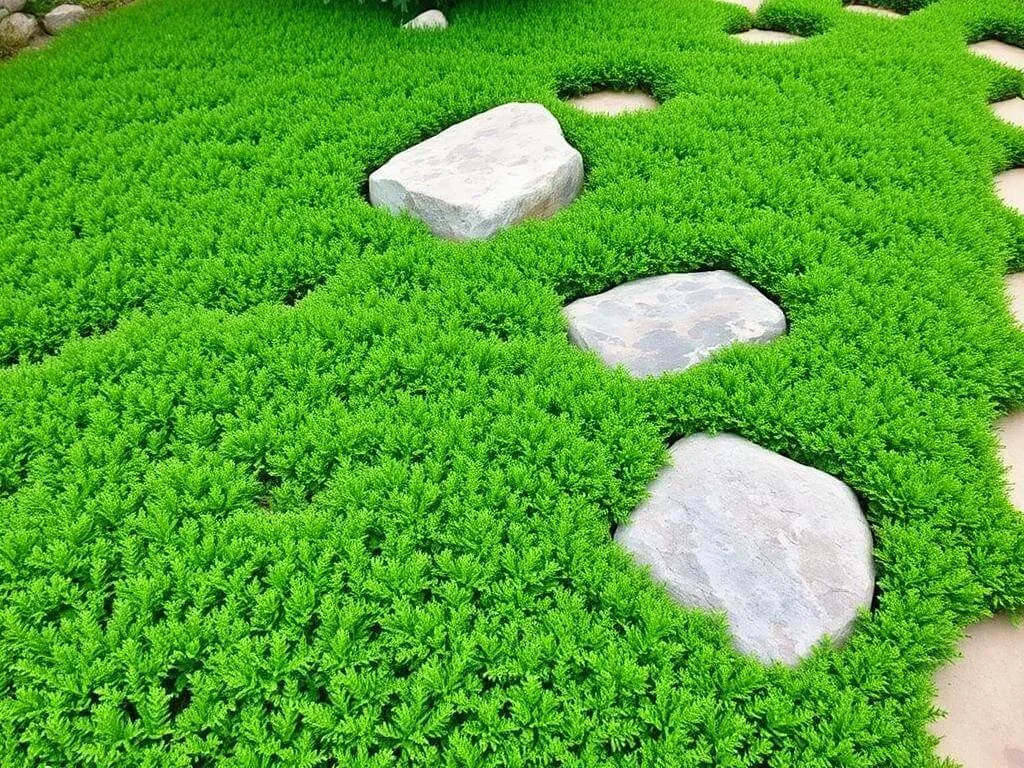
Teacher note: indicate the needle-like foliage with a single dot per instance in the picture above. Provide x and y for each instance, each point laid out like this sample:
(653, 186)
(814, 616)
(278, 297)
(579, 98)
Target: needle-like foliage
(317, 489)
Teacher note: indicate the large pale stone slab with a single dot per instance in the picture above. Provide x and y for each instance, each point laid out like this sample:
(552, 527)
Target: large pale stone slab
(484, 174)
(62, 17)
(614, 102)
(1010, 55)
(781, 548)
(1010, 111)
(872, 10)
(983, 696)
(1010, 431)
(766, 37)
(1010, 188)
(666, 324)
(432, 19)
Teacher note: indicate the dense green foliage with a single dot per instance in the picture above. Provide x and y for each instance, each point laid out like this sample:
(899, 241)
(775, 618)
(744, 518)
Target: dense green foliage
(321, 490)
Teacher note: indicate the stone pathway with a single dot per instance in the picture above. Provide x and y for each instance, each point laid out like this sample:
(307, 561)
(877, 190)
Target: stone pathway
(997, 50)
(1010, 188)
(1010, 111)
(668, 323)
(983, 694)
(874, 11)
(766, 36)
(1015, 293)
(1010, 432)
(614, 102)
(782, 549)
(484, 174)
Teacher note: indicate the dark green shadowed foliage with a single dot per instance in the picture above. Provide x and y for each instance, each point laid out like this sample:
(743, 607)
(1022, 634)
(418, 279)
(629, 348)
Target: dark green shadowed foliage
(284, 480)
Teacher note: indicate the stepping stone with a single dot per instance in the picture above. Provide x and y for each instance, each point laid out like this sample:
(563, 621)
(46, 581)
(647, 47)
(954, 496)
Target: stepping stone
(999, 51)
(983, 695)
(1015, 292)
(750, 5)
(766, 36)
(432, 19)
(1010, 432)
(483, 175)
(668, 323)
(1010, 188)
(614, 102)
(1010, 110)
(874, 11)
(781, 548)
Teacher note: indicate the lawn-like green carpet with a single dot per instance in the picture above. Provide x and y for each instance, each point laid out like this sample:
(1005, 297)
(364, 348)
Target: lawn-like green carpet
(285, 480)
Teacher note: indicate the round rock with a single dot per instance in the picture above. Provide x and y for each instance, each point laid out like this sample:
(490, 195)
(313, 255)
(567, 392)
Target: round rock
(13, 6)
(781, 548)
(614, 102)
(432, 19)
(18, 29)
(666, 324)
(62, 17)
(483, 175)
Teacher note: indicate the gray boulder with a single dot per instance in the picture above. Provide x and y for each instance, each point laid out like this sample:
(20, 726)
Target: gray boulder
(12, 6)
(432, 19)
(668, 323)
(18, 29)
(62, 17)
(782, 549)
(484, 174)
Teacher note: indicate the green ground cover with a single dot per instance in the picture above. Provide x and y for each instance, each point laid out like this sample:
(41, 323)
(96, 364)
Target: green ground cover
(316, 489)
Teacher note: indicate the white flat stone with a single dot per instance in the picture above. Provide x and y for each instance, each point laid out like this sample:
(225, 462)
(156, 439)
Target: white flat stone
(873, 11)
(483, 175)
(1010, 188)
(1011, 111)
(432, 19)
(750, 5)
(614, 102)
(666, 324)
(1010, 55)
(781, 548)
(983, 696)
(766, 37)
(1010, 432)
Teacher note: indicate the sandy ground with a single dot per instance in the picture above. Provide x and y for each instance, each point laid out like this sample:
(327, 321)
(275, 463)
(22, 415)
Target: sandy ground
(614, 102)
(983, 693)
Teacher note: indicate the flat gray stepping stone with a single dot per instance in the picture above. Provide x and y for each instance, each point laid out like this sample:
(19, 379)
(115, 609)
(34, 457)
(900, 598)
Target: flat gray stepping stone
(483, 175)
(781, 548)
(1010, 188)
(614, 102)
(996, 50)
(668, 323)
(1011, 111)
(983, 695)
(766, 37)
(1010, 432)
(874, 11)
(432, 19)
